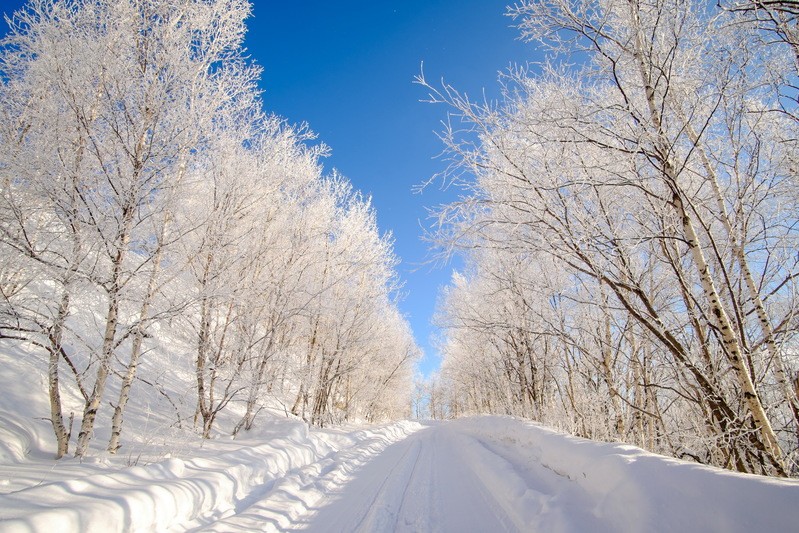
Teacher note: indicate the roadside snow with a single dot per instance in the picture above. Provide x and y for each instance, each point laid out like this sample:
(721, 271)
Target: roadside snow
(182, 494)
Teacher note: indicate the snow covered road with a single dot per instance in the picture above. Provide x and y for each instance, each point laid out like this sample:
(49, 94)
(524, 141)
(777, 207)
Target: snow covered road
(486, 474)
(440, 478)
(423, 483)
(496, 474)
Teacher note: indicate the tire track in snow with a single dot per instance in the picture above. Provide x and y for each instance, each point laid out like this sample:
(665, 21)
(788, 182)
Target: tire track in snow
(415, 513)
(461, 448)
(421, 484)
(379, 511)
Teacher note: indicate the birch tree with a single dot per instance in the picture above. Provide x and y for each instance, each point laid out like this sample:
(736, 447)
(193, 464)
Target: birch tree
(144, 188)
(651, 173)
(132, 84)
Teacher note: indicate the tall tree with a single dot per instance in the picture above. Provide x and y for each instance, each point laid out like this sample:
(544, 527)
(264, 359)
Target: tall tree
(666, 112)
(133, 85)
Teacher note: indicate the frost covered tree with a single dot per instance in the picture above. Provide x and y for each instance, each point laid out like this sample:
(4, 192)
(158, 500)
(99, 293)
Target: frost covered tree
(145, 189)
(351, 322)
(776, 17)
(658, 174)
(131, 86)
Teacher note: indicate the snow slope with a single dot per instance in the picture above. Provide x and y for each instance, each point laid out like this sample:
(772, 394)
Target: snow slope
(166, 476)
(552, 482)
(182, 494)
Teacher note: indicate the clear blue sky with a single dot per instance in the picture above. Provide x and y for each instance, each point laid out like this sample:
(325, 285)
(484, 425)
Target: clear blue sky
(346, 68)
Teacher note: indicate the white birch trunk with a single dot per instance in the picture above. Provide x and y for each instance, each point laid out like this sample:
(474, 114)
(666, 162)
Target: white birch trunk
(783, 380)
(729, 338)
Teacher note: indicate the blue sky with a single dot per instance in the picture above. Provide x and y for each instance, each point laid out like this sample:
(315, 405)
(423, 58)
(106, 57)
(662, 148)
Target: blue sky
(346, 68)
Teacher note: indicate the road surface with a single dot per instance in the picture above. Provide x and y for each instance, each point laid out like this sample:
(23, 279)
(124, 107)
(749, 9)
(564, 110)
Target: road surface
(482, 474)
(423, 483)
(441, 478)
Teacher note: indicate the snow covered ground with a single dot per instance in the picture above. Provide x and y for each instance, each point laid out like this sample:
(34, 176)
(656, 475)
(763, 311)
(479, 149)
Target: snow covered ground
(476, 474)
(226, 478)
(479, 474)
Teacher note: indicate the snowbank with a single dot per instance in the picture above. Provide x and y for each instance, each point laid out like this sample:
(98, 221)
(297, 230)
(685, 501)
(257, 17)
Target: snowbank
(166, 477)
(174, 492)
(629, 489)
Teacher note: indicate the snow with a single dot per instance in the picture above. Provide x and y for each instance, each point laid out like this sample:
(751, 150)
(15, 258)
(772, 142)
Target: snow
(423, 483)
(474, 474)
(480, 474)
(558, 483)
(183, 494)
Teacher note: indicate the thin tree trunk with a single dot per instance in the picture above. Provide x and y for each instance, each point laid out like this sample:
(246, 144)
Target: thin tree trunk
(109, 336)
(607, 367)
(96, 396)
(135, 352)
(56, 413)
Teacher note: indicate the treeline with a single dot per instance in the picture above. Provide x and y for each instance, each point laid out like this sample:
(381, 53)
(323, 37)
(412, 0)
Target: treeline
(630, 231)
(147, 196)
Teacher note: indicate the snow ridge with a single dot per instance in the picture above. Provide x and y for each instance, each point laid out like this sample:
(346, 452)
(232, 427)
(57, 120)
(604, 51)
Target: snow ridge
(618, 487)
(179, 494)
